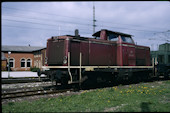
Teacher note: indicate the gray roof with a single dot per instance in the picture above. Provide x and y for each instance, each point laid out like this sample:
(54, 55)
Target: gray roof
(3, 56)
(6, 48)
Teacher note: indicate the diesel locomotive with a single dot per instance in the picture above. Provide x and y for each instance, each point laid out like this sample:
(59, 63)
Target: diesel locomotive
(108, 57)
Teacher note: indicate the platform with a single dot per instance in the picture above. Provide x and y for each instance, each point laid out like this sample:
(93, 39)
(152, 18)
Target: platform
(15, 74)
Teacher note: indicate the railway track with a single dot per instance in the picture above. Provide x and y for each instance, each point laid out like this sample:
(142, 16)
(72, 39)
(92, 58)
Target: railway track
(44, 91)
(23, 80)
(40, 90)
(19, 94)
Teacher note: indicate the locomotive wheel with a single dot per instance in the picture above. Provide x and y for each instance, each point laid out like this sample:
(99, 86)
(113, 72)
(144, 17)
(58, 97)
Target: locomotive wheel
(167, 75)
(64, 81)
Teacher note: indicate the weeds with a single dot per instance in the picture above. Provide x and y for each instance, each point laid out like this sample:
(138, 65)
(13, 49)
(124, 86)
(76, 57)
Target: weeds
(151, 97)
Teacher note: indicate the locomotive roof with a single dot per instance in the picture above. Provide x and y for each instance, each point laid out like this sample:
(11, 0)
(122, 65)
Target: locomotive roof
(108, 31)
(77, 36)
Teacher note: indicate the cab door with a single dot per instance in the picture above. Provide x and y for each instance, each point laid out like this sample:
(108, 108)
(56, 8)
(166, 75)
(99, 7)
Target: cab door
(131, 55)
(126, 51)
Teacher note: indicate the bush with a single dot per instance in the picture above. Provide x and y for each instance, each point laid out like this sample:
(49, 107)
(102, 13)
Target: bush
(34, 69)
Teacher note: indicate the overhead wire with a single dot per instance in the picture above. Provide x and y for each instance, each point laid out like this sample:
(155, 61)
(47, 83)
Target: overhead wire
(21, 21)
(84, 24)
(131, 25)
(84, 29)
(73, 17)
(75, 23)
(39, 28)
(49, 20)
(43, 13)
(130, 29)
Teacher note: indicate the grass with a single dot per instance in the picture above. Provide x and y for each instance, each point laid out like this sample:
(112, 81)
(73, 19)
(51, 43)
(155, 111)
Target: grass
(150, 97)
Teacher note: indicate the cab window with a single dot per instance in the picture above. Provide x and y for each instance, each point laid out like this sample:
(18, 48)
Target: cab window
(112, 37)
(127, 39)
(97, 37)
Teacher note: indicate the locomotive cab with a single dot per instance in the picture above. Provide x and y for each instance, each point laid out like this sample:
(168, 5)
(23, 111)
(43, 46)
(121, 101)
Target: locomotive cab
(113, 36)
(125, 46)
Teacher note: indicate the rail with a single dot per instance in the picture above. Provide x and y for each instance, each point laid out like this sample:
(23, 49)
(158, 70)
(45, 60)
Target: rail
(21, 80)
(31, 93)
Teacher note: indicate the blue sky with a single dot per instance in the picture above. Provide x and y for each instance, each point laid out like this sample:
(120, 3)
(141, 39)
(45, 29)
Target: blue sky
(25, 23)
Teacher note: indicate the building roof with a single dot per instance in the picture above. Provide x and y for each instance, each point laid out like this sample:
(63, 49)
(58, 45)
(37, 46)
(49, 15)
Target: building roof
(3, 56)
(108, 31)
(6, 48)
(165, 43)
(164, 47)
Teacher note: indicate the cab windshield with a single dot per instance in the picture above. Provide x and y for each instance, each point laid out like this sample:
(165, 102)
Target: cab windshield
(127, 39)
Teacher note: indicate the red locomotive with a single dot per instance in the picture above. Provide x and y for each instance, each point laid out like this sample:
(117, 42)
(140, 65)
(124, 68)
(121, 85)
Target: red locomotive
(72, 58)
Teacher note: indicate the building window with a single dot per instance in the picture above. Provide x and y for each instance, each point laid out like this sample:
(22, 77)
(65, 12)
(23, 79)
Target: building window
(28, 62)
(22, 62)
(34, 63)
(11, 62)
(37, 64)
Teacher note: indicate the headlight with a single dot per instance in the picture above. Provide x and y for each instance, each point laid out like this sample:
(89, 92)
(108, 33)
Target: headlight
(65, 60)
(46, 60)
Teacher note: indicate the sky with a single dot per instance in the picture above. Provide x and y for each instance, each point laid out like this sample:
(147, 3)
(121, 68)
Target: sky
(32, 23)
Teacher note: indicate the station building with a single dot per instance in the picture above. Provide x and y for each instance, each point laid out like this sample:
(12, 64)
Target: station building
(22, 58)
(163, 53)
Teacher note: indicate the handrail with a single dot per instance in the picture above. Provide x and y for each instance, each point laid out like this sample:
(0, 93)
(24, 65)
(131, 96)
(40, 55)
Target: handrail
(71, 79)
(80, 77)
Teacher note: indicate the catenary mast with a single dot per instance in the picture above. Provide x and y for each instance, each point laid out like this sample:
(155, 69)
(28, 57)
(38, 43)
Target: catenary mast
(94, 18)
